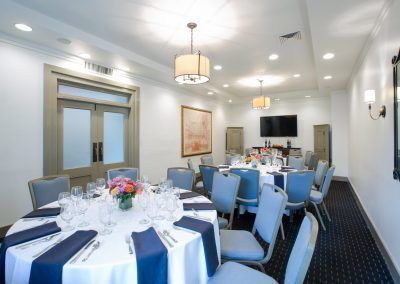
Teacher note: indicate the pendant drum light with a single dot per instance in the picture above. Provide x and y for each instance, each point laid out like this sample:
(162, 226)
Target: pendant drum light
(261, 102)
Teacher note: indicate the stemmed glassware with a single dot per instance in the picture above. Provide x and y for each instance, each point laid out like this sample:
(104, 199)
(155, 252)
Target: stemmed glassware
(91, 189)
(64, 198)
(100, 185)
(143, 200)
(76, 193)
(171, 206)
(152, 210)
(105, 219)
(82, 206)
(159, 201)
(67, 214)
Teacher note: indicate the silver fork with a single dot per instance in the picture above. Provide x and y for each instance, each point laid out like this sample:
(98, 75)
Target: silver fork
(167, 234)
(43, 240)
(59, 240)
(94, 247)
(128, 242)
(38, 219)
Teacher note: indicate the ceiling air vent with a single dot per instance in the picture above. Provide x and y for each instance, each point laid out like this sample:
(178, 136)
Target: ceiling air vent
(286, 37)
(98, 68)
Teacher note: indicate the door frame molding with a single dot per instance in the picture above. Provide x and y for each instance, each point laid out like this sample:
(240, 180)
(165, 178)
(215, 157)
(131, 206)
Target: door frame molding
(54, 74)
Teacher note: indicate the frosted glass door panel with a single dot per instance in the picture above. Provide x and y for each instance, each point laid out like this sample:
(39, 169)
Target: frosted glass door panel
(114, 138)
(77, 140)
(92, 94)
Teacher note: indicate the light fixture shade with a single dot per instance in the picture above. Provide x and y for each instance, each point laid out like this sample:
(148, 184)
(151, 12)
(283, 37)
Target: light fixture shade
(369, 96)
(192, 69)
(261, 103)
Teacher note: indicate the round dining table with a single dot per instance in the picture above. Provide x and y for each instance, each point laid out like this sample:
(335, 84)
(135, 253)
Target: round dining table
(112, 262)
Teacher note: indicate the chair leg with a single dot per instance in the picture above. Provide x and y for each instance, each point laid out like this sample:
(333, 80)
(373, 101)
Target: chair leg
(262, 269)
(319, 216)
(326, 211)
(282, 232)
(291, 215)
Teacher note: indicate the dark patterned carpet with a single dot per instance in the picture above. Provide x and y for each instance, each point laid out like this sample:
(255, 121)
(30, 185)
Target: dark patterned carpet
(345, 253)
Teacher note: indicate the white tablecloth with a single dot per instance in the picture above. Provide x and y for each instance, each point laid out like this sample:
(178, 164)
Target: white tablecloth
(112, 263)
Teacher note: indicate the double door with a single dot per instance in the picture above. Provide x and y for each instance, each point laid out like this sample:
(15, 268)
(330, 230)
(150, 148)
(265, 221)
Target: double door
(92, 138)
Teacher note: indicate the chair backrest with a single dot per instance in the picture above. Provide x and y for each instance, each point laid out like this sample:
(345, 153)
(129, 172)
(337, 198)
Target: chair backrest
(225, 188)
(190, 164)
(295, 152)
(302, 251)
(296, 162)
(181, 177)
(46, 189)
(279, 161)
(307, 158)
(249, 184)
(207, 173)
(312, 165)
(320, 172)
(207, 160)
(269, 215)
(327, 181)
(131, 173)
(298, 186)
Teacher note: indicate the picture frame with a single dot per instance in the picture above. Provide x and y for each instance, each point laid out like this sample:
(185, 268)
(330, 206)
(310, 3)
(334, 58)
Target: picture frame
(196, 131)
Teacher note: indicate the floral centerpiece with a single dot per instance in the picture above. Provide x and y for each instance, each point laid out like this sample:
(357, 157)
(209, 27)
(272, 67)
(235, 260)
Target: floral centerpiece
(266, 151)
(254, 159)
(124, 189)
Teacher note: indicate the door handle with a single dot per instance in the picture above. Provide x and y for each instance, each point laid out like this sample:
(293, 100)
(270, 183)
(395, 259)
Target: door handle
(94, 152)
(100, 151)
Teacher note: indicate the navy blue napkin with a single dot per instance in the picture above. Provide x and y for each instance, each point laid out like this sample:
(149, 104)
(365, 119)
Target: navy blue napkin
(151, 257)
(286, 170)
(189, 194)
(48, 267)
(23, 237)
(279, 180)
(198, 206)
(44, 212)
(206, 229)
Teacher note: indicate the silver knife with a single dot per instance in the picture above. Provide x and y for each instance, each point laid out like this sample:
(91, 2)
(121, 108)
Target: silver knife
(81, 252)
(165, 239)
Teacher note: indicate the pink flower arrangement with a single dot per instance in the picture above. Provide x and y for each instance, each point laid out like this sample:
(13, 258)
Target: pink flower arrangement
(124, 188)
(265, 151)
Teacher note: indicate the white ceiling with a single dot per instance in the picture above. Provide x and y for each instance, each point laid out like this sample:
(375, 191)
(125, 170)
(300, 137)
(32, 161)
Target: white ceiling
(239, 35)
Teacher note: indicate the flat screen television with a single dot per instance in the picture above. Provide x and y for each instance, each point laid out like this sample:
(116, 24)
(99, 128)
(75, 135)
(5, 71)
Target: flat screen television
(278, 126)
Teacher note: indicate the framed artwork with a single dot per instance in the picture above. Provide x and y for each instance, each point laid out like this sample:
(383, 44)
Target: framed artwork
(196, 131)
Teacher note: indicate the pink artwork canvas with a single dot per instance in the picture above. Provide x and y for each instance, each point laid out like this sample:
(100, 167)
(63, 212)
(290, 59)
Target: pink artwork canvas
(196, 131)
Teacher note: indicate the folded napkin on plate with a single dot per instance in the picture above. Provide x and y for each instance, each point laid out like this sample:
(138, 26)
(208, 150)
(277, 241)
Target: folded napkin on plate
(151, 257)
(48, 267)
(23, 237)
(206, 229)
(44, 212)
(189, 194)
(198, 206)
(279, 180)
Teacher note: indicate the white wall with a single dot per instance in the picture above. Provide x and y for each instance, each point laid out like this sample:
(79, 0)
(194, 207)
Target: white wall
(21, 125)
(340, 132)
(311, 111)
(371, 142)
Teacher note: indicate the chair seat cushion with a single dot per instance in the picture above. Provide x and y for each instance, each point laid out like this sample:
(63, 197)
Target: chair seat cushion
(316, 196)
(241, 245)
(222, 222)
(232, 273)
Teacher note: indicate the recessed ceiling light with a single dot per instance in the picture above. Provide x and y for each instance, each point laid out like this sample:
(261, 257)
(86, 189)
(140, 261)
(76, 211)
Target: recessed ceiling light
(328, 77)
(225, 85)
(210, 93)
(229, 101)
(23, 27)
(217, 67)
(268, 80)
(273, 56)
(277, 99)
(85, 55)
(308, 96)
(328, 56)
(296, 75)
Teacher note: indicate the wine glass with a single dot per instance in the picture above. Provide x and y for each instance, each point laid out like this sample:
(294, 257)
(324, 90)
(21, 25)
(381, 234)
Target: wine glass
(159, 201)
(82, 206)
(143, 199)
(67, 214)
(76, 192)
(104, 218)
(152, 211)
(64, 198)
(171, 206)
(100, 185)
(91, 189)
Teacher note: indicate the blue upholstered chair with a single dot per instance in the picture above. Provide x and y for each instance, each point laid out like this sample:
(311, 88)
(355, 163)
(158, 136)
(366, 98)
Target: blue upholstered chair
(207, 173)
(312, 165)
(199, 185)
(131, 173)
(296, 162)
(298, 187)
(207, 160)
(190, 164)
(181, 177)
(317, 197)
(307, 158)
(46, 189)
(249, 186)
(296, 269)
(320, 173)
(242, 246)
(225, 188)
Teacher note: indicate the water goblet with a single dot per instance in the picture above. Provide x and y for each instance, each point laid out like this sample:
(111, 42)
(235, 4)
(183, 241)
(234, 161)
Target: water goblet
(159, 201)
(143, 199)
(82, 205)
(76, 193)
(67, 214)
(64, 198)
(100, 185)
(171, 207)
(104, 218)
(91, 189)
(152, 211)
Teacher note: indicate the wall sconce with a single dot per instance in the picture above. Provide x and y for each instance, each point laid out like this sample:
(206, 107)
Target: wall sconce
(369, 98)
